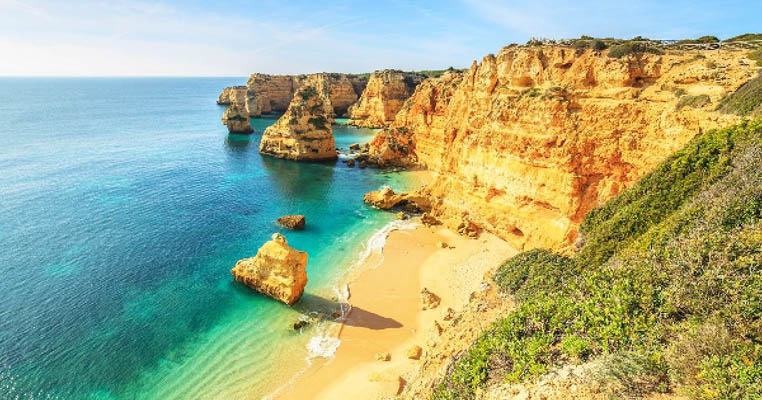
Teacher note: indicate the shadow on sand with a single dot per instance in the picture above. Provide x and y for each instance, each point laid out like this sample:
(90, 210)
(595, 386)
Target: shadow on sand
(310, 305)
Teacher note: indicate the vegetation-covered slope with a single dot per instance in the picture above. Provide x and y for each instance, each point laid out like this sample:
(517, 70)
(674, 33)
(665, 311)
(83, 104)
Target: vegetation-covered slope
(667, 284)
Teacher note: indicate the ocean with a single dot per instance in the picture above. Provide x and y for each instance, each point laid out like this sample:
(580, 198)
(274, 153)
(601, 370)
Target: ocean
(124, 204)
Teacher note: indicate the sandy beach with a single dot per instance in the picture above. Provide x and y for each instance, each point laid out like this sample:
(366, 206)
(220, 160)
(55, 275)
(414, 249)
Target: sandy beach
(387, 316)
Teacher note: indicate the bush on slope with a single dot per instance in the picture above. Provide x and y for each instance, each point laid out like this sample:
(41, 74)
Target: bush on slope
(667, 285)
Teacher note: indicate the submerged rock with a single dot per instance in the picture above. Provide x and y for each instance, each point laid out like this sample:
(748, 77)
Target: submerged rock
(296, 222)
(278, 270)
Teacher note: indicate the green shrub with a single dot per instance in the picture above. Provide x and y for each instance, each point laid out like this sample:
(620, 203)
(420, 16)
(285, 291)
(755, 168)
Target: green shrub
(319, 122)
(627, 48)
(746, 101)
(665, 291)
(699, 101)
(745, 37)
(307, 92)
(702, 39)
(756, 55)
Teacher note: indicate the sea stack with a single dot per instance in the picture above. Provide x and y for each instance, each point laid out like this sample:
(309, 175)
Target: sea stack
(304, 132)
(236, 117)
(278, 270)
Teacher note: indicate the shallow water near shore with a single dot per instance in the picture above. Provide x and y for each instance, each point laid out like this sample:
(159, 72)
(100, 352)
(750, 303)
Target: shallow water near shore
(123, 205)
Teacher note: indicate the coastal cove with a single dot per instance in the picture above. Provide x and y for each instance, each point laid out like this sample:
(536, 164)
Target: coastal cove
(124, 205)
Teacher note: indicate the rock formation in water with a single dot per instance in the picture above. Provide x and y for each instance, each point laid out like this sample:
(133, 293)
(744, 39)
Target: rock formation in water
(383, 97)
(304, 132)
(235, 117)
(278, 270)
(292, 221)
(267, 93)
(525, 143)
(231, 92)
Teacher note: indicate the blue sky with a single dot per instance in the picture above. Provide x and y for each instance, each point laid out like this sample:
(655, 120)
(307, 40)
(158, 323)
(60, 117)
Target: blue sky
(235, 38)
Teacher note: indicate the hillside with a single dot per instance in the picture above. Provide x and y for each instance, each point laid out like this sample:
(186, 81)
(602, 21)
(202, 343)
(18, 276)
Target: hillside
(662, 294)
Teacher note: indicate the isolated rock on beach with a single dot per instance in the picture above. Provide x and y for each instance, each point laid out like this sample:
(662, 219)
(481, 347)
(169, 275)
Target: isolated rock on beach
(387, 199)
(278, 270)
(414, 352)
(296, 222)
(429, 300)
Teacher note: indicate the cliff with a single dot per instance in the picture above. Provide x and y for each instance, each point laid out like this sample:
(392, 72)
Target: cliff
(231, 92)
(267, 93)
(278, 270)
(383, 97)
(525, 143)
(304, 132)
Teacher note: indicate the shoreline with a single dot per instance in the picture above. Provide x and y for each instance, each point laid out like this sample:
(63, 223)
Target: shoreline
(386, 314)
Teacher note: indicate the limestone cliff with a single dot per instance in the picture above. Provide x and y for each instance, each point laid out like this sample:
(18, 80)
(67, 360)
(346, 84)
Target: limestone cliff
(235, 117)
(231, 92)
(266, 93)
(525, 143)
(278, 270)
(383, 97)
(304, 132)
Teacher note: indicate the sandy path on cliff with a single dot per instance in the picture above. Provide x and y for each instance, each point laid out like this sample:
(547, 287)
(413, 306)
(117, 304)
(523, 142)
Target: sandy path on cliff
(387, 315)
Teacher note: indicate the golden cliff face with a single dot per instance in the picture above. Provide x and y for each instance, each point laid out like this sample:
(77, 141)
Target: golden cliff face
(235, 117)
(267, 93)
(528, 141)
(304, 132)
(383, 97)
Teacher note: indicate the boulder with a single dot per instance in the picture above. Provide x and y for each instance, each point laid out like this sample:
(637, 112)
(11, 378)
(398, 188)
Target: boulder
(429, 220)
(351, 162)
(278, 270)
(414, 353)
(236, 118)
(429, 300)
(296, 222)
(387, 199)
(383, 356)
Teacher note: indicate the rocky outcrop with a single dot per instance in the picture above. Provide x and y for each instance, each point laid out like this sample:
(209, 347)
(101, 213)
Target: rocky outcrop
(386, 199)
(525, 143)
(383, 97)
(296, 222)
(267, 93)
(235, 117)
(230, 93)
(304, 132)
(278, 270)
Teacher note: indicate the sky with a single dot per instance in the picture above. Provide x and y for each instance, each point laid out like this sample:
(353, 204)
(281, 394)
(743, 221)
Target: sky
(236, 38)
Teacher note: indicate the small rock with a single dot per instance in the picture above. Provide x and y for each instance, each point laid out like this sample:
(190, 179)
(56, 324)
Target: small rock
(414, 353)
(300, 324)
(351, 162)
(354, 146)
(429, 300)
(438, 328)
(402, 216)
(383, 356)
(363, 164)
(442, 245)
(292, 221)
(429, 220)
(449, 314)
(336, 315)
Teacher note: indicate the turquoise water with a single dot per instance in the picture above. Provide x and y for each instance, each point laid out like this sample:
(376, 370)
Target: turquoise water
(123, 206)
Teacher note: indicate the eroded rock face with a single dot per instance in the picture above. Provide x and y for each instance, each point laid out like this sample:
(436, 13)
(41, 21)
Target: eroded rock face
(235, 117)
(231, 92)
(527, 142)
(383, 97)
(304, 132)
(266, 93)
(292, 221)
(278, 270)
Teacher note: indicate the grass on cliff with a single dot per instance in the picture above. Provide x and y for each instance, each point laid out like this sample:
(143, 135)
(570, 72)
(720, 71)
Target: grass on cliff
(665, 289)
(633, 47)
(746, 101)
